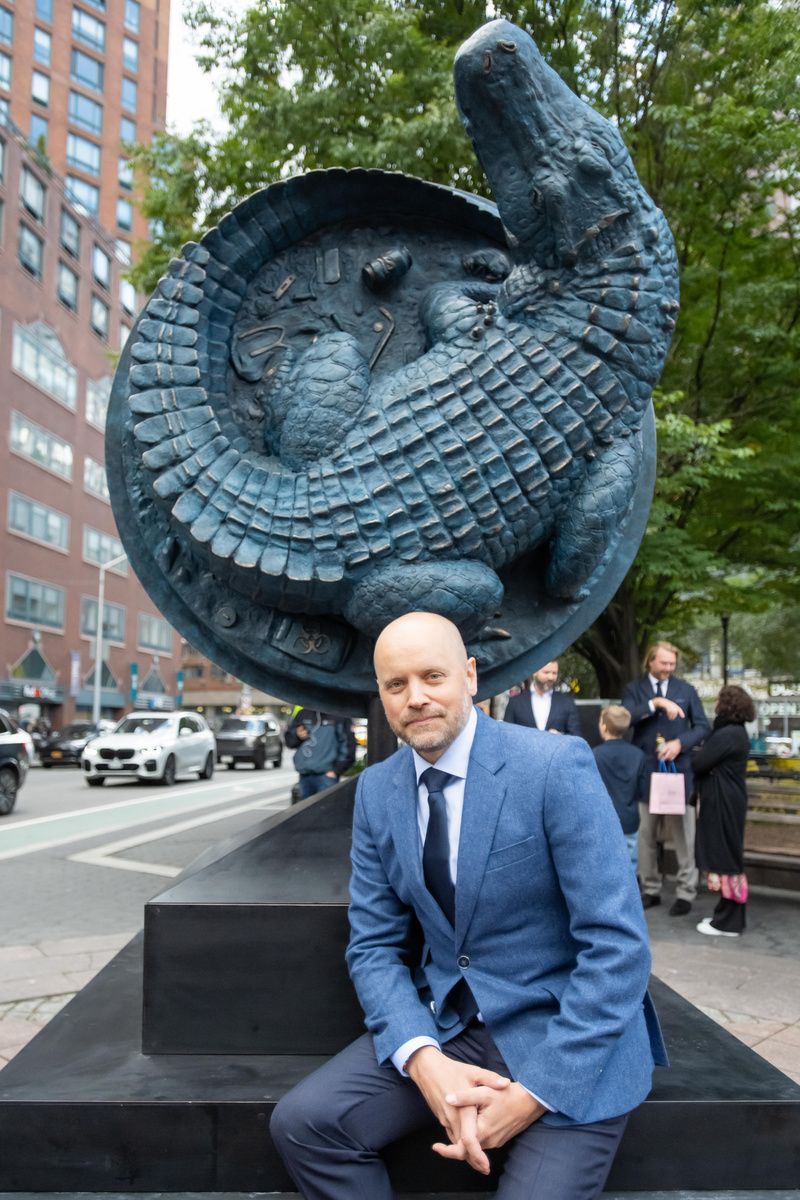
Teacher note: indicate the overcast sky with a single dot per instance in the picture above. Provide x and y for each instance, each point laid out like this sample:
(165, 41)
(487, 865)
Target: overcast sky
(191, 95)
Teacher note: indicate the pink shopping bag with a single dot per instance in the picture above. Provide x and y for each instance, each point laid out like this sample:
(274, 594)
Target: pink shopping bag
(667, 791)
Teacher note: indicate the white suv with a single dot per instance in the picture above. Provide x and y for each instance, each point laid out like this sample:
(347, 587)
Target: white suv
(157, 746)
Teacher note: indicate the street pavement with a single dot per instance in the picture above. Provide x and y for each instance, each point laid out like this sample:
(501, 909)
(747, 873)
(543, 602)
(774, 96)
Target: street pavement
(77, 866)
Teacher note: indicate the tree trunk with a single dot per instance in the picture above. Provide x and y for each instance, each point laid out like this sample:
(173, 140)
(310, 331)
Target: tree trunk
(614, 644)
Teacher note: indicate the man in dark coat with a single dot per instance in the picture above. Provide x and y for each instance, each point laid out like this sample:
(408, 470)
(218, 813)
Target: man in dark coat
(324, 745)
(668, 722)
(541, 707)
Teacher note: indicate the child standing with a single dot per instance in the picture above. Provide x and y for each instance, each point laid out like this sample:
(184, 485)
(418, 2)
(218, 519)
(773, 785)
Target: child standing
(623, 769)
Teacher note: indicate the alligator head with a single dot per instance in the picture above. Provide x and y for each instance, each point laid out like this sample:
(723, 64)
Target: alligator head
(560, 172)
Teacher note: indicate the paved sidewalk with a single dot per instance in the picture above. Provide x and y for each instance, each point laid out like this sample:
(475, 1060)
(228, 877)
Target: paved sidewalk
(751, 985)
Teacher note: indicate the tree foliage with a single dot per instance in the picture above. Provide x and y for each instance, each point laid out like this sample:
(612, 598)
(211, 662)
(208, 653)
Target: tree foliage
(705, 94)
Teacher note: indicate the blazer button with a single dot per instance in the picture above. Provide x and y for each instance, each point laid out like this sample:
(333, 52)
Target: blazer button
(463, 960)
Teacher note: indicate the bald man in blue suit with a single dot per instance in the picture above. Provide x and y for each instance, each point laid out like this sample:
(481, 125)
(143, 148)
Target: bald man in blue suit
(524, 1022)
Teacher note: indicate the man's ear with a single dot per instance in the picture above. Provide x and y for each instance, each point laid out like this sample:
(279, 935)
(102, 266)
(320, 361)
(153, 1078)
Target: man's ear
(472, 676)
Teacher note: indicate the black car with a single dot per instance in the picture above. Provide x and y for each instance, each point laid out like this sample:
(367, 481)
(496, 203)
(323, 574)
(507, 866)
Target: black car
(249, 739)
(14, 762)
(66, 747)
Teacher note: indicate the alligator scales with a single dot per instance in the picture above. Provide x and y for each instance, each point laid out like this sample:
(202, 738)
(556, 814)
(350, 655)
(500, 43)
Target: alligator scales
(343, 487)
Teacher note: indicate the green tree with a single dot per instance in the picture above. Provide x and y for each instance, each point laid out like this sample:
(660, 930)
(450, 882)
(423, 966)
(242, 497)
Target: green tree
(706, 96)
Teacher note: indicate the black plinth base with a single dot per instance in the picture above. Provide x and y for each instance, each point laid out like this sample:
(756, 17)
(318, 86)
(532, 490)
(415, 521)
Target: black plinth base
(82, 1109)
(244, 954)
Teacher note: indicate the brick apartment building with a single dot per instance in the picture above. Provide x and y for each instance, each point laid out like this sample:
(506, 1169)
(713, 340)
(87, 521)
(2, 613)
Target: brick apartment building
(82, 79)
(65, 312)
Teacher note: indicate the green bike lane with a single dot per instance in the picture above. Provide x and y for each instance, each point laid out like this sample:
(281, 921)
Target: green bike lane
(60, 829)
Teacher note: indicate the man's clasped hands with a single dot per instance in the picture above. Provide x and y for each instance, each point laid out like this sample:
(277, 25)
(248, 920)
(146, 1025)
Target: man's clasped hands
(479, 1109)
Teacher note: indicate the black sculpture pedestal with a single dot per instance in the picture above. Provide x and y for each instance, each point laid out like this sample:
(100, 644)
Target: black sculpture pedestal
(245, 992)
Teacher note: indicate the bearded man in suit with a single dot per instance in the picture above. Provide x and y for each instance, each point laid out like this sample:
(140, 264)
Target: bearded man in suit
(541, 707)
(524, 1021)
(668, 721)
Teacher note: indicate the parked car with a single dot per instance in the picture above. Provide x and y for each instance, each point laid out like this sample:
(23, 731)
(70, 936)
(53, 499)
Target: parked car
(66, 747)
(250, 739)
(15, 757)
(151, 746)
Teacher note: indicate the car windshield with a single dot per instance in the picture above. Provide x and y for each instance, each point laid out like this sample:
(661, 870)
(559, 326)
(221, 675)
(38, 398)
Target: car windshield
(76, 730)
(240, 724)
(141, 724)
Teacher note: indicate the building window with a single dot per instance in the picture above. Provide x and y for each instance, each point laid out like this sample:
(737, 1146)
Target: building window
(87, 29)
(127, 296)
(86, 70)
(4, 113)
(125, 174)
(34, 602)
(70, 234)
(127, 130)
(94, 479)
(83, 195)
(5, 70)
(124, 251)
(40, 88)
(100, 548)
(132, 15)
(44, 10)
(40, 446)
(7, 28)
(98, 393)
(31, 251)
(39, 356)
(130, 54)
(129, 94)
(124, 214)
(98, 317)
(86, 113)
(83, 154)
(31, 193)
(37, 521)
(113, 620)
(101, 266)
(100, 5)
(154, 634)
(2, 160)
(67, 287)
(124, 334)
(42, 46)
(39, 130)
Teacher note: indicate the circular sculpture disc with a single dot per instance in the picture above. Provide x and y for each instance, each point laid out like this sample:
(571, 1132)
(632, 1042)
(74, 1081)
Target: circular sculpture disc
(348, 252)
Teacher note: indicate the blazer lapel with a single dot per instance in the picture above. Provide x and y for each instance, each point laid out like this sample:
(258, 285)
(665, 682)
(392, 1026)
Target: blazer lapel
(484, 793)
(401, 802)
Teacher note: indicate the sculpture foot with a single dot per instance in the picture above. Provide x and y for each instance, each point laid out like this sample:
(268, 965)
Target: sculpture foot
(594, 513)
(467, 593)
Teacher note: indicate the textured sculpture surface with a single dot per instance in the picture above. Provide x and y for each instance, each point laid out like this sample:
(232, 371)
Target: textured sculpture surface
(363, 394)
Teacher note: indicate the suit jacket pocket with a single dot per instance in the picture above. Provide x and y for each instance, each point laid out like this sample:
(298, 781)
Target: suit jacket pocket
(505, 855)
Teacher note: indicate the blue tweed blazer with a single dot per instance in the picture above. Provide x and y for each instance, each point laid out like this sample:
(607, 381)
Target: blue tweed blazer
(549, 930)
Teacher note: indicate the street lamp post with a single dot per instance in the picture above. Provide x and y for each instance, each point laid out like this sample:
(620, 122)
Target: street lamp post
(725, 619)
(98, 646)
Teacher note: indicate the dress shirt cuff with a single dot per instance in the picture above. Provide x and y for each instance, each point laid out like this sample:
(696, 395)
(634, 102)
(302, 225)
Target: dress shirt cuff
(651, 706)
(538, 1099)
(401, 1056)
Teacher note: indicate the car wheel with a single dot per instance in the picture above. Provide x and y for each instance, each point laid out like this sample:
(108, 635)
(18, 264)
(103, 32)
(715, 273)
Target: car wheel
(259, 760)
(168, 777)
(96, 781)
(47, 766)
(208, 769)
(9, 785)
(277, 762)
(231, 766)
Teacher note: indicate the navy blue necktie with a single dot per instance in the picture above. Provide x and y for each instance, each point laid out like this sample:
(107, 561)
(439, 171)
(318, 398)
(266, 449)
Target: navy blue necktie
(436, 851)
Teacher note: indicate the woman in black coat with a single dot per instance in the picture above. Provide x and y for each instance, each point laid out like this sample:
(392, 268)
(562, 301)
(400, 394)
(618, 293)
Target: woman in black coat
(719, 767)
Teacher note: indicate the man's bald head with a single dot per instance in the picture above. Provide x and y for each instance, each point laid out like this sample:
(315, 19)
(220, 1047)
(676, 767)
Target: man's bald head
(426, 681)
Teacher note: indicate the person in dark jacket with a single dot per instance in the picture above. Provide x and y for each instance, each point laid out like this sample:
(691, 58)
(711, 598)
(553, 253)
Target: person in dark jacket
(623, 769)
(541, 707)
(720, 766)
(668, 722)
(324, 746)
